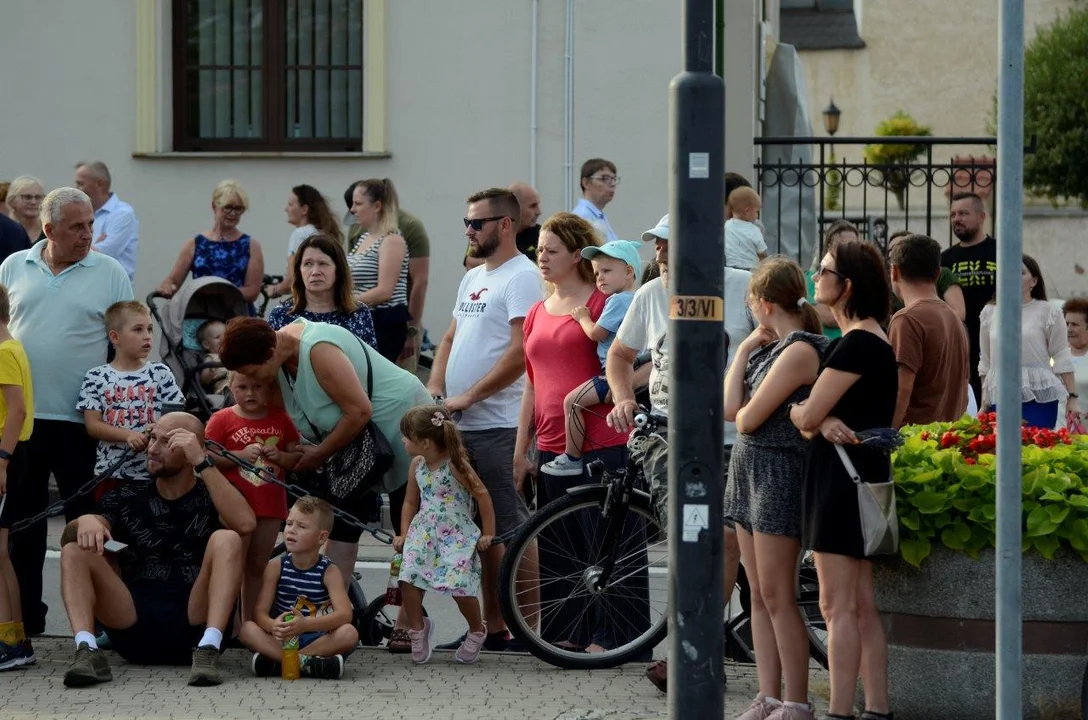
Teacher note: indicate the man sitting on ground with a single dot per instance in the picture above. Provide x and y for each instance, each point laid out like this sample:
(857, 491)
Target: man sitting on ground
(182, 568)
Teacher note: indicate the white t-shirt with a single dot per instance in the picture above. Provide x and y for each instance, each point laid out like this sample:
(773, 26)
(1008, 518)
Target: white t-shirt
(486, 304)
(297, 236)
(743, 244)
(647, 323)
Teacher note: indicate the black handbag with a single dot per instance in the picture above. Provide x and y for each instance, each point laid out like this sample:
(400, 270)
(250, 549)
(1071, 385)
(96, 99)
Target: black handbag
(359, 465)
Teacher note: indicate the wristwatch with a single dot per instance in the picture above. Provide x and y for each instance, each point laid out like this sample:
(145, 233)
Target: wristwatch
(413, 331)
(203, 465)
(5, 455)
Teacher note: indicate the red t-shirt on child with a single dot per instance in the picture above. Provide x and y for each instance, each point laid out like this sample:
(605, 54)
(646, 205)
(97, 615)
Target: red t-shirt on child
(558, 358)
(234, 433)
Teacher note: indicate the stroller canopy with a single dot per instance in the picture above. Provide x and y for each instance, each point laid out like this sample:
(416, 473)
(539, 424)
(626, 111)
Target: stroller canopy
(207, 298)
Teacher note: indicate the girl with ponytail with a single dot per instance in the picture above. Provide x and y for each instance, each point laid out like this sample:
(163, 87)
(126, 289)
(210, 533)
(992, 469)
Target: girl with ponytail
(774, 368)
(442, 544)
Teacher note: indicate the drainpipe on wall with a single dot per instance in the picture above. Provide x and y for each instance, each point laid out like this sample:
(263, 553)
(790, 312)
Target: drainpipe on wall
(533, 125)
(568, 111)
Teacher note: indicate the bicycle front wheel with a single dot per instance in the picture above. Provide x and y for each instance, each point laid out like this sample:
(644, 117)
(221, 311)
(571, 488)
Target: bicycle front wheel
(575, 579)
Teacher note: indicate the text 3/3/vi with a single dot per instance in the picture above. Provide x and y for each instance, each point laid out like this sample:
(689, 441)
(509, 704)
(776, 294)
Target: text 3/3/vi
(697, 307)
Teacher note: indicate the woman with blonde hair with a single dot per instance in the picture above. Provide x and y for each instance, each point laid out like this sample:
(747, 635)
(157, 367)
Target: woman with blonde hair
(379, 263)
(773, 368)
(25, 195)
(224, 251)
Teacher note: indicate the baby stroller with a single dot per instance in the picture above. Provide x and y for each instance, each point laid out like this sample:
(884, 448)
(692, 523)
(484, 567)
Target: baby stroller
(196, 302)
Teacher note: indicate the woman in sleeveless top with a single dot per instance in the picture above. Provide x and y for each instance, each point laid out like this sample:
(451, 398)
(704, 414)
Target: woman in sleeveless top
(773, 368)
(379, 264)
(321, 372)
(224, 251)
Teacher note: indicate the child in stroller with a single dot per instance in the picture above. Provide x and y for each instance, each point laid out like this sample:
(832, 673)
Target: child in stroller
(185, 320)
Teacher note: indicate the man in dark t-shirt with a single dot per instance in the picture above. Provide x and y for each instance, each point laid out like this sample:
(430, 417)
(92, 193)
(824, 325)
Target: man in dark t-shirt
(974, 260)
(13, 237)
(174, 586)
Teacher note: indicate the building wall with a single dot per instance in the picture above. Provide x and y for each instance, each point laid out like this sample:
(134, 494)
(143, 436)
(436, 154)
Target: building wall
(938, 61)
(457, 113)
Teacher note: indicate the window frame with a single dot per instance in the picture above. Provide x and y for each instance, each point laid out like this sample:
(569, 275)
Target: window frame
(273, 94)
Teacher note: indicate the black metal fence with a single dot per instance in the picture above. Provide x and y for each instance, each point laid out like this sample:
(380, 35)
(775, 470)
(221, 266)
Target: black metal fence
(917, 177)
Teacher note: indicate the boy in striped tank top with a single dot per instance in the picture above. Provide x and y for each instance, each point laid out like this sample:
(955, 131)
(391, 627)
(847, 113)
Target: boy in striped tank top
(304, 583)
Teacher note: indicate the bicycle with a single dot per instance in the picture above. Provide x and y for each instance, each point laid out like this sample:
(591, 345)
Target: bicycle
(621, 578)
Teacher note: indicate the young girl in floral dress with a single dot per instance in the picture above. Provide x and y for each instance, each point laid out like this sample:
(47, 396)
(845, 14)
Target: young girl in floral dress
(441, 546)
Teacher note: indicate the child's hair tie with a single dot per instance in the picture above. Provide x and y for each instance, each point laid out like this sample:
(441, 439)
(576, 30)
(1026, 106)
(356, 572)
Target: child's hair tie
(438, 419)
(802, 301)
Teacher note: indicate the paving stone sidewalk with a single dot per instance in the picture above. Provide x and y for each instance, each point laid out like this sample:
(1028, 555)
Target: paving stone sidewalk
(377, 685)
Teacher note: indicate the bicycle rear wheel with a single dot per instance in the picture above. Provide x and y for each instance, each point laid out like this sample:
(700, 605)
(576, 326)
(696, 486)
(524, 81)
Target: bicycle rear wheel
(552, 589)
(808, 600)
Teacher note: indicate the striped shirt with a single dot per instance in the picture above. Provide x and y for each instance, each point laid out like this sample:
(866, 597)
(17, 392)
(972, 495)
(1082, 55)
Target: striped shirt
(364, 271)
(302, 592)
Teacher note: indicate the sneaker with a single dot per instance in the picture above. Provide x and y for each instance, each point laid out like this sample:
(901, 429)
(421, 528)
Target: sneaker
(205, 672)
(89, 667)
(265, 667)
(421, 642)
(26, 651)
(760, 709)
(788, 712)
(563, 466)
(322, 668)
(11, 656)
(501, 641)
(469, 652)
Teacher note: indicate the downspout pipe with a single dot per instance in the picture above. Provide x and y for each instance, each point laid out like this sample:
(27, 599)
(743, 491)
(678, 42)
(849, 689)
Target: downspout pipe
(568, 111)
(533, 84)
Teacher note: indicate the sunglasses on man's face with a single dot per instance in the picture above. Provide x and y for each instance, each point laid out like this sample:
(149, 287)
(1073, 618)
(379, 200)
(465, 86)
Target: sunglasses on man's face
(477, 224)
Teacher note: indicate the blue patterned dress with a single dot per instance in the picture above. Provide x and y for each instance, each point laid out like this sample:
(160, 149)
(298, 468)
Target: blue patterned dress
(440, 547)
(227, 259)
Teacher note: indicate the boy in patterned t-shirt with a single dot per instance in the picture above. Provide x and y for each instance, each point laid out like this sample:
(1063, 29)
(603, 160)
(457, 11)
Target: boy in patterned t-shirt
(122, 399)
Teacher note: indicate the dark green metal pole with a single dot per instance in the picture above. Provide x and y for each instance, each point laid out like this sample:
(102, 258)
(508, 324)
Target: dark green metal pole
(696, 366)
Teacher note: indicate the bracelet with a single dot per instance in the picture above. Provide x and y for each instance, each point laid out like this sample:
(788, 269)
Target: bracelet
(1073, 395)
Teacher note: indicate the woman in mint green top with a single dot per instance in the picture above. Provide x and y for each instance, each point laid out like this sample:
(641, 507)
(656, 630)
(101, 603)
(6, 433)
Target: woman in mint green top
(321, 371)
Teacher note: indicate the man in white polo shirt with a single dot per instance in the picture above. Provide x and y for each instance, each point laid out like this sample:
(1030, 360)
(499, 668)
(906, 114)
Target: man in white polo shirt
(479, 366)
(59, 293)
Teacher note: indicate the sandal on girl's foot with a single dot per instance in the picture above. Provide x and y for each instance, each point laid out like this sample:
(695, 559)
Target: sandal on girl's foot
(399, 641)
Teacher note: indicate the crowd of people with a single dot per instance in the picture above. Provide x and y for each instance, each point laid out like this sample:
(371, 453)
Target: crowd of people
(534, 379)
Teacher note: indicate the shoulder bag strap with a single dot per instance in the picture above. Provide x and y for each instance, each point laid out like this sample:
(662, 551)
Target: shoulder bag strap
(848, 464)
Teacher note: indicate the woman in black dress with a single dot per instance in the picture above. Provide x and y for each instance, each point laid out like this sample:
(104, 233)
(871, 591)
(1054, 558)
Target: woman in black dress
(856, 390)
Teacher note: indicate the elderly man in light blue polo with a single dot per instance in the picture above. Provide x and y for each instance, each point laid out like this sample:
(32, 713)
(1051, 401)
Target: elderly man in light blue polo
(59, 293)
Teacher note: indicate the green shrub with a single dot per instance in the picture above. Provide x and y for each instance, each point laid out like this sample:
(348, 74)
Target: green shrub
(946, 489)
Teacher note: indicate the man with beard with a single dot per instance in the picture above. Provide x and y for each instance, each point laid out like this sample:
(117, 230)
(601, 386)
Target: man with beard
(479, 367)
(174, 586)
(974, 260)
(528, 229)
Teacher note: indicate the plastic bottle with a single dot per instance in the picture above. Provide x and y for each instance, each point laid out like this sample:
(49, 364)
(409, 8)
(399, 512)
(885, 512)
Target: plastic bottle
(392, 589)
(290, 669)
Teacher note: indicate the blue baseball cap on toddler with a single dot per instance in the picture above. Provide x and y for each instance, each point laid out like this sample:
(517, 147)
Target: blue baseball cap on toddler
(625, 250)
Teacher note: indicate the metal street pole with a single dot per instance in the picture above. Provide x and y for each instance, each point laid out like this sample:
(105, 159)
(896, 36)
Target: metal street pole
(696, 366)
(1010, 198)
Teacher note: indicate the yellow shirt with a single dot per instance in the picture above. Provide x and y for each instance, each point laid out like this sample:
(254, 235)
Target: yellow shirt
(15, 370)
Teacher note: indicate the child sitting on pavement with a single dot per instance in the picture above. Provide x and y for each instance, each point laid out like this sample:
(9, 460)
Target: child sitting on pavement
(122, 399)
(616, 264)
(744, 243)
(214, 380)
(265, 437)
(304, 583)
(17, 421)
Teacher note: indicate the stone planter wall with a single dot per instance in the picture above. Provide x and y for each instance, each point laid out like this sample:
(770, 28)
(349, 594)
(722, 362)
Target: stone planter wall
(939, 621)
